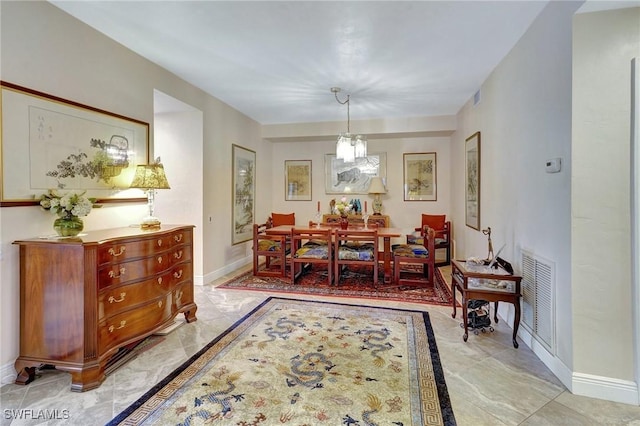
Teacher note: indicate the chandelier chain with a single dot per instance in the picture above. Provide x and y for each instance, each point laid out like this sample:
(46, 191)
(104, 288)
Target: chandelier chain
(335, 91)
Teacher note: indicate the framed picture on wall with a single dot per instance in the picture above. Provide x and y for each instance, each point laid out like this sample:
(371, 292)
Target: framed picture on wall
(420, 176)
(243, 190)
(353, 178)
(52, 143)
(297, 180)
(472, 181)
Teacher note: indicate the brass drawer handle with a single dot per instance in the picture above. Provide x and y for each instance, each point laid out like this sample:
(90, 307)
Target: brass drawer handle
(113, 299)
(177, 238)
(159, 243)
(160, 280)
(160, 304)
(112, 327)
(178, 255)
(112, 274)
(113, 253)
(159, 259)
(178, 274)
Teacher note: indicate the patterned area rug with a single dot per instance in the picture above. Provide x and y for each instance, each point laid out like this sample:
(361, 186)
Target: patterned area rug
(299, 362)
(355, 282)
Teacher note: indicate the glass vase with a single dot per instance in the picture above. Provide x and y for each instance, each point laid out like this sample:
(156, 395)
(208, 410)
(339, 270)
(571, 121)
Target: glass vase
(68, 226)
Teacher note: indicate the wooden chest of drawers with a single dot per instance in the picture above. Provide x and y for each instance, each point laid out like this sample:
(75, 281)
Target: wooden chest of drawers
(82, 299)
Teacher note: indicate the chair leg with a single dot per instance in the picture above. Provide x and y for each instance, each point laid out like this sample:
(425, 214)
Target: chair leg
(375, 274)
(396, 271)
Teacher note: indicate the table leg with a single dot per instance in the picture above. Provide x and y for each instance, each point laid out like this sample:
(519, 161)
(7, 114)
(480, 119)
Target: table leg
(495, 311)
(465, 336)
(387, 260)
(516, 323)
(453, 292)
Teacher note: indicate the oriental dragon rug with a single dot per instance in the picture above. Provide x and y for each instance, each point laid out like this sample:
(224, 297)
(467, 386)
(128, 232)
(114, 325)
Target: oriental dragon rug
(296, 362)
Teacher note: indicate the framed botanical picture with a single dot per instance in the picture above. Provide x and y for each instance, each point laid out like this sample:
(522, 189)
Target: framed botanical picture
(52, 143)
(472, 181)
(420, 177)
(243, 190)
(297, 180)
(353, 178)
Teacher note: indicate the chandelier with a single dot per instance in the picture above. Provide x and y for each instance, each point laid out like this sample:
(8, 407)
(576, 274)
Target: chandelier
(349, 147)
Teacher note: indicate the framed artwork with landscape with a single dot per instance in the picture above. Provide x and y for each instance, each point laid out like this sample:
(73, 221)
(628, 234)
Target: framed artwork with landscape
(472, 181)
(297, 180)
(420, 176)
(353, 178)
(243, 189)
(52, 143)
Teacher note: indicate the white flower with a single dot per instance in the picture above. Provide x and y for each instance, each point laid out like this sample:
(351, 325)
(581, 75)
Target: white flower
(73, 204)
(343, 207)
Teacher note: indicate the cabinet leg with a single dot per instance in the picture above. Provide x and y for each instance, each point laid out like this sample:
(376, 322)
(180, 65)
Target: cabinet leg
(190, 315)
(26, 376)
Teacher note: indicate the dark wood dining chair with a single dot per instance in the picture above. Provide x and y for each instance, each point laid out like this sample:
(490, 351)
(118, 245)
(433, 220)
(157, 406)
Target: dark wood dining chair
(272, 248)
(422, 254)
(357, 246)
(311, 246)
(442, 229)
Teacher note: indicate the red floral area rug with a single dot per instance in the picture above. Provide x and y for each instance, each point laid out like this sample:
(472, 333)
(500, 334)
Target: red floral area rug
(300, 362)
(355, 282)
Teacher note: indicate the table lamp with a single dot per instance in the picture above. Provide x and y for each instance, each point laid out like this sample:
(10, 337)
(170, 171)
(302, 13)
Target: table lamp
(150, 177)
(377, 187)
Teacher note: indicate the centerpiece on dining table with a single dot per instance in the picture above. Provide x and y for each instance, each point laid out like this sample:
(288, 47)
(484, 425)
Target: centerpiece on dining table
(342, 208)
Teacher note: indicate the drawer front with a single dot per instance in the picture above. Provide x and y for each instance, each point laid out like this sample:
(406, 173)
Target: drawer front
(182, 295)
(181, 237)
(127, 325)
(114, 300)
(127, 250)
(180, 254)
(120, 273)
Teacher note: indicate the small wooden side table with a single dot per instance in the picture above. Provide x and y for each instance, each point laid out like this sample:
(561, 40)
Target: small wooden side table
(493, 285)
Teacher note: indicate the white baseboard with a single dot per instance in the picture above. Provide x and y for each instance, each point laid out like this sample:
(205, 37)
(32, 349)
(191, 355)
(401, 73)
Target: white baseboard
(607, 388)
(7, 374)
(589, 385)
(212, 276)
(553, 363)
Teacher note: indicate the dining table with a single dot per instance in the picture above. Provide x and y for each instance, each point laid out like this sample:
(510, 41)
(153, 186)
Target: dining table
(385, 233)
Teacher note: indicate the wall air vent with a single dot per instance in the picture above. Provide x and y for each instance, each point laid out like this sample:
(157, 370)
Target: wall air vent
(538, 305)
(476, 98)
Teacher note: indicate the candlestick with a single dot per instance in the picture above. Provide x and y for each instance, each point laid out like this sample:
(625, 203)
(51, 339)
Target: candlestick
(365, 206)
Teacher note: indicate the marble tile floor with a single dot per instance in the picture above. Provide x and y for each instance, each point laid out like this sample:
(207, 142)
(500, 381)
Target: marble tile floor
(489, 381)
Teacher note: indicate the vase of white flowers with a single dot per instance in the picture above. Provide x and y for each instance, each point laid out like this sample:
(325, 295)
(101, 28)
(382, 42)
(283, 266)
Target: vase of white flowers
(343, 208)
(68, 207)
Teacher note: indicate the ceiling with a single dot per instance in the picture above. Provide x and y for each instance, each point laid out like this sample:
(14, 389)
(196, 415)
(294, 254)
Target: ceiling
(276, 61)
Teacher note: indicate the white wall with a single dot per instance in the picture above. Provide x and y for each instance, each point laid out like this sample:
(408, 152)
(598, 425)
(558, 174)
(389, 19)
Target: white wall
(525, 118)
(178, 141)
(604, 44)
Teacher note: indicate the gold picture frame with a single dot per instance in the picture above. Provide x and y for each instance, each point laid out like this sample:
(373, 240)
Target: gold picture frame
(297, 180)
(52, 143)
(472, 181)
(420, 176)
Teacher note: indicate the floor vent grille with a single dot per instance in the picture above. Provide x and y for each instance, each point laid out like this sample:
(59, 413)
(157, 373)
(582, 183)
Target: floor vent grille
(538, 305)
